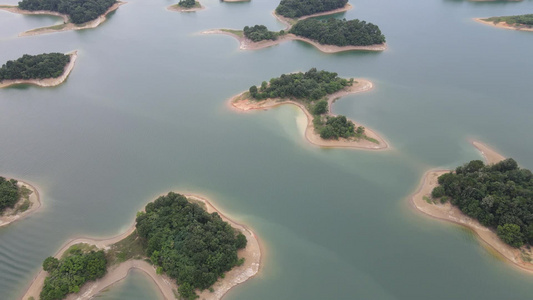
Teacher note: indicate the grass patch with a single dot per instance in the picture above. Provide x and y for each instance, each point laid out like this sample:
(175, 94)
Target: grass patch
(53, 27)
(373, 140)
(83, 247)
(239, 33)
(128, 248)
(526, 20)
(428, 200)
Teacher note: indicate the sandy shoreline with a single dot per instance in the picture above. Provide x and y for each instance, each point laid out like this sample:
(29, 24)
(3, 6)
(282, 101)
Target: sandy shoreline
(35, 201)
(290, 21)
(503, 25)
(67, 25)
(447, 212)
(176, 7)
(362, 85)
(116, 273)
(247, 44)
(47, 82)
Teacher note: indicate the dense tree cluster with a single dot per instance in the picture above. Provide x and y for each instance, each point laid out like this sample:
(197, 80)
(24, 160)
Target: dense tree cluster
(299, 8)
(187, 3)
(79, 11)
(499, 196)
(259, 33)
(511, 20)
(311, 85)
(189, 244)
(339, 32)
(68, 274)
(9, 193)
(47, 65)
(338, 127)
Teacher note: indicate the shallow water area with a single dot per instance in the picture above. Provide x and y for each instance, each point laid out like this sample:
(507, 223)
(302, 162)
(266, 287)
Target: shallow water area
(144, 112)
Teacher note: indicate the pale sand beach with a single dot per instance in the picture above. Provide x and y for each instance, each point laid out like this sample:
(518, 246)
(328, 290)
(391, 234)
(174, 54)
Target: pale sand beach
(503, 25)
(176, 7)
(11, 215)
(116, 273)
(67, 25)
(47, 82)
(449, 213)
(362, 85)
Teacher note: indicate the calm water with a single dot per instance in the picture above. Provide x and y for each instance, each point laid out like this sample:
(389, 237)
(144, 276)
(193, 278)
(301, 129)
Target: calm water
(144, 112)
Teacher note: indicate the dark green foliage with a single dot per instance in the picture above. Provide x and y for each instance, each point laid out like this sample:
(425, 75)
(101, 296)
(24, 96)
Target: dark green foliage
(311, 85)
(187, 3)
(499, 196)
(512, 20)
(259, 33)
(79, 11)
(336, 127)
(298, 8)
(320, 108)
(191, 245)
(47, 65)
(9, 193)
(339, 32)
(70, 273)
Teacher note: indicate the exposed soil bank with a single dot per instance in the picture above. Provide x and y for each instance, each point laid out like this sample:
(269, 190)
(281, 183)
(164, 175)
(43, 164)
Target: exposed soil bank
(12, 215)
(504, 25)
(241, 103)
(450, 213)
(47, 82)
(116, 273)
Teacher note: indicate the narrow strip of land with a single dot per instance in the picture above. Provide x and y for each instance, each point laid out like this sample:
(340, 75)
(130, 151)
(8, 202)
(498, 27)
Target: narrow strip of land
(46, 82)
(422, 201)
(504, 25)
(15, 214)
(241, 103)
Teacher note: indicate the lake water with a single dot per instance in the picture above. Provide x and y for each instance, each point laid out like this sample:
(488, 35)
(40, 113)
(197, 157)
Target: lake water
(144, 112)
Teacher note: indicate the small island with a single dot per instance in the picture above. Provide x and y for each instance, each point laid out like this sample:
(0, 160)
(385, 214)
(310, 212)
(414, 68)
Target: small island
(328, 36)
(520, 22)
(314, 92)
(17, 200)
(494, 201)
(294, 9)
(45, 70)
(186, 6)
(76, 14)
(181, 242)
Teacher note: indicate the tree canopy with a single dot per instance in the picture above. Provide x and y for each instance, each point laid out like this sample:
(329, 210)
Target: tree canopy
(259, 33)
(189, 244)
(46, 65)
(187, 3)
(514, 20)
(79, 11)
(499, 196)
(9, 193)
(339, 32)
(299, 8)
(68, 274)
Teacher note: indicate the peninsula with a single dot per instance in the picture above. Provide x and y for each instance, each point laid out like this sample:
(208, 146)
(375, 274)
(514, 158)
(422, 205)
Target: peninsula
(208, 254)
(186, 6)
(520, 22)
(18, 199)
(492, 200)
(314, 93)
(76, 15)
(45, 70)
(328, 36)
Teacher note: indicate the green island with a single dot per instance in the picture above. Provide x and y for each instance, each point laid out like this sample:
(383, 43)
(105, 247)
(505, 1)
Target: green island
(11, 194)
(311, 89)
(499, 196)
(518, 22)
(259, 33)
(79, 264)
(79, 11)
(41, 66)
(173, 233)
(298, 8)
(186, 5)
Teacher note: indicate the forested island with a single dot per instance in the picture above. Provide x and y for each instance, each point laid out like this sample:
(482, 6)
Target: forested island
(519, 22)
(297, 8)
(47, 69)
(17, 199)
(186, 6)
(314, 91)
(76, 14)
(178, 238)
(494, 200)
